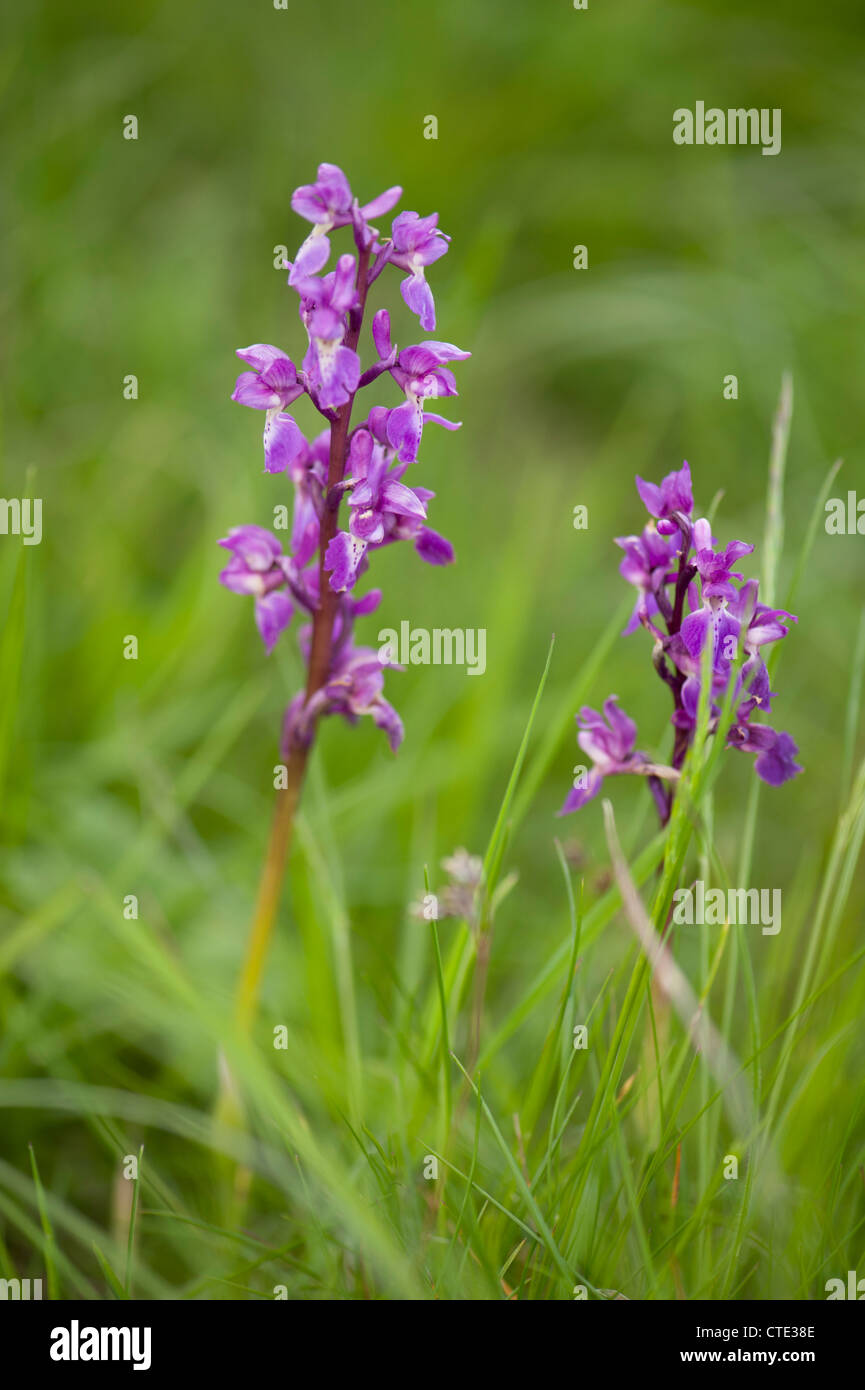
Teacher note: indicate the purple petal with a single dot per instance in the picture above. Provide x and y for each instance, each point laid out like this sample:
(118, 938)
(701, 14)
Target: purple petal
(409, 230)
(404, 430)
(701, 535)
(343, 289)
(386, 717)
(342, 558)
(431, 418)
(381, 333)
(360, 453)
(433, 548)
(623, 728)
(304, 521)
(249, 389)
(313, 254)
(362, 607)
(726, 627)
(635, 620)
(396, 497)
(650, 495)
(281, 374)
(735, 550)
(239, 579)
(673, 495)
(283, 442)
(367, 526)
(694, 631)
(777, 764)
(377, 422)
(382, 204)
(330, 194)
(419, 298)
(422, 357)
(579, 796)
(261, 355)
(691, 699)
(255, 546)
(273, 613)
(766, 626)
(339, 371)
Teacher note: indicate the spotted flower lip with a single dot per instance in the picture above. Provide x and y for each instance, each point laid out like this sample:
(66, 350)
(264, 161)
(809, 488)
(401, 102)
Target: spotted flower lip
(715, 620)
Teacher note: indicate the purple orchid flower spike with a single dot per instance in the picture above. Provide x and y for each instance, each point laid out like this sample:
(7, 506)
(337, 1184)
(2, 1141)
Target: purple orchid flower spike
(689, 594)
(382, 509)
(417, 243)
(360, 468)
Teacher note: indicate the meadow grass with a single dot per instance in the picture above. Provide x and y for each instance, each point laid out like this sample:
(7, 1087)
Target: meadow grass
(377, 1164)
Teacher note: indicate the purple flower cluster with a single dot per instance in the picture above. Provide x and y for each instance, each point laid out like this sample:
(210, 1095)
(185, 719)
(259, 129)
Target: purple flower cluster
(688, 595)
(364, 465)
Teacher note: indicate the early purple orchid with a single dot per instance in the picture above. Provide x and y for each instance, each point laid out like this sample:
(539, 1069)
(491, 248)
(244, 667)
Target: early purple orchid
(354, 687)
(662, 500)
(272, 385)
(362, 467)
(420, 372)
(382, 509)
(332, 370)
(416, 242)
(688, 595)
(256, 567)
(609, 740)
(647, 563)
(328, 203)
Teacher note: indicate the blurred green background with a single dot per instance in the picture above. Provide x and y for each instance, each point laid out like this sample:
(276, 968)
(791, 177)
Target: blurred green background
(154, 257)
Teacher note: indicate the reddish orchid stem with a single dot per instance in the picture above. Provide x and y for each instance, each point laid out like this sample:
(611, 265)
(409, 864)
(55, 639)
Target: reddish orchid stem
(675, 680)
(288, 797)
